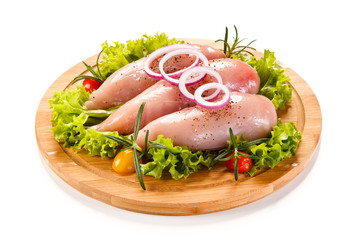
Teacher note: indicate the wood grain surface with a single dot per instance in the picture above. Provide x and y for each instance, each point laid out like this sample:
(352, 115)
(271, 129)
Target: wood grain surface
(202, 192)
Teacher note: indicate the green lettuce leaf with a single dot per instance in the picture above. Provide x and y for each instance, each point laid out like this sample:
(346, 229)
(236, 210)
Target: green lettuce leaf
(69, 103)
(70, 119)
(273, 80)
(119, 54)
(284, 141)
(179, 161)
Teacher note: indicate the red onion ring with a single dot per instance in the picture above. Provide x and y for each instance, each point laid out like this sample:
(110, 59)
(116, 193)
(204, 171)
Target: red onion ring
(182, 82)
(212, 105)
(161, 51)
(201, 70)
(169, 55)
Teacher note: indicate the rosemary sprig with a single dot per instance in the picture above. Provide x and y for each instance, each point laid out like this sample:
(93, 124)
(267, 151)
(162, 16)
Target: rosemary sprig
(96, 74)
(234, 151)
(130, 143)
(235, 48)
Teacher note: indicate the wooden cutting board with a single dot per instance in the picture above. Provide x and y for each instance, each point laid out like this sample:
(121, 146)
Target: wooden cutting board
(202, 192)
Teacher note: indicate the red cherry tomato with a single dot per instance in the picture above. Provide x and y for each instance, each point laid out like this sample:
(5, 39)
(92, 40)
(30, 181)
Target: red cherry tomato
(91, 85)
(244, 163)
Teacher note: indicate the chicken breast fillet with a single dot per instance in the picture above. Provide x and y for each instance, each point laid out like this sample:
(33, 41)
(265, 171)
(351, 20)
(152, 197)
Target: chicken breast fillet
(163, 98)
(199, 128)
(131, 80)
(237, 75)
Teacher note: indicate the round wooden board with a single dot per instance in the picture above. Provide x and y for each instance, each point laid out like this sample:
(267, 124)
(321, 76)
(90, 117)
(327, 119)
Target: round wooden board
(202, 192)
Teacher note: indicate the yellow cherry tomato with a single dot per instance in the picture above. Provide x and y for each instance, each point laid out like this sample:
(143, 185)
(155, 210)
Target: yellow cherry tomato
(124, 162)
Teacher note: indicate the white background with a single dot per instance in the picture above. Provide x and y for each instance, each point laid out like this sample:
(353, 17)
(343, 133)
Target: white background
(42, 39)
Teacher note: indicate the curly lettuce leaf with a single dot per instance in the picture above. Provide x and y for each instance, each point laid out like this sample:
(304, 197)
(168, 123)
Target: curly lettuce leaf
(284, 141)
(179, 161)
(272, 80)
(69, 103)
(70, 119)
(97, 144)
(119, 54)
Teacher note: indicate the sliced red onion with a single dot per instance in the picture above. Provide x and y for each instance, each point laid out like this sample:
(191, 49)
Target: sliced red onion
(170, 77)
(189, 72)
(159, 52)
(212, 105)
(200, 70)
